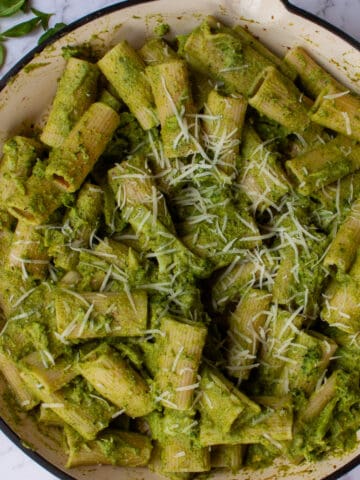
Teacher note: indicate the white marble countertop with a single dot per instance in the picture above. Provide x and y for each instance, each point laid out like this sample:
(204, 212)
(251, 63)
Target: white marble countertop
(345, 14)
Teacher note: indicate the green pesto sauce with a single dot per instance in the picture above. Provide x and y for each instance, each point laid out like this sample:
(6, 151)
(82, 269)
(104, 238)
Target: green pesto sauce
(84, 51)
(231, 49)
(162, 29)
(333, 430)
(35, 66)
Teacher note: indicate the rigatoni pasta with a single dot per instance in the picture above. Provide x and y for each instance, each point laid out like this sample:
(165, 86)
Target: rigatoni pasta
(223, 123)
(70, 165)
(338, 110)
(172, 94)
(313, 77)
(125, 70)
(76, 91)
(180, 268)
(277, 97)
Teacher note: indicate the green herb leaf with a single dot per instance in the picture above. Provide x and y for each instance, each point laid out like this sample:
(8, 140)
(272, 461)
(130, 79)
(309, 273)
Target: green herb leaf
(2, 54)
(49, 33)
(44, 17)
(22, 28)
(10, 7)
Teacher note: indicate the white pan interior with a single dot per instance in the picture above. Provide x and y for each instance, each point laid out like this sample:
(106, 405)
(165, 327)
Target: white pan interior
(26, 99)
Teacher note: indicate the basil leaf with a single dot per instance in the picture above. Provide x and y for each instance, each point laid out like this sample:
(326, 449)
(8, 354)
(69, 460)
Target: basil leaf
(44, 17)
(22, 29)
(10, 7)
(49, 33)
(2, 54)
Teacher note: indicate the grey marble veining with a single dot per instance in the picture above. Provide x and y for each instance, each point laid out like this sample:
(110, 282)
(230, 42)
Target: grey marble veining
(345, 14)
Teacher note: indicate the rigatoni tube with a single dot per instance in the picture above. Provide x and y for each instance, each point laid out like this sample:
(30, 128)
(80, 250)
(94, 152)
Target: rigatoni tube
(341, 307)
(321, 397)
(282, 329)
(342, 193)
(84, 217)
(339, 111)
(220, 54)
(12, 284)
(28, 251)
(343, 248)
(313, 77)
(223, 122)
(49, 418)
(324, 164)
(156, 50)
(22, 393)
(52, 374)
(82, 221)
(20, 155)
(133, 184)
(244, 332)
(110, 100)
(87, 413)
(233, 282)
(221, 402)
(111, 447)
(279, 99)
(153, 235)
(179, 454)
(70, 165)
(172, 93)
(117, 381)
(75, 93)
(249, 39)
(179, 358)
(125, 70)
(317, 415)
(179, 444)
(40, 198)
(97, 315)
(308, 357)
(261, 177)
(273, 422)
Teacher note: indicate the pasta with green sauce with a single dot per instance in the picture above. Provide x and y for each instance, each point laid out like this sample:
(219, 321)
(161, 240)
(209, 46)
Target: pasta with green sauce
(179, 257)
